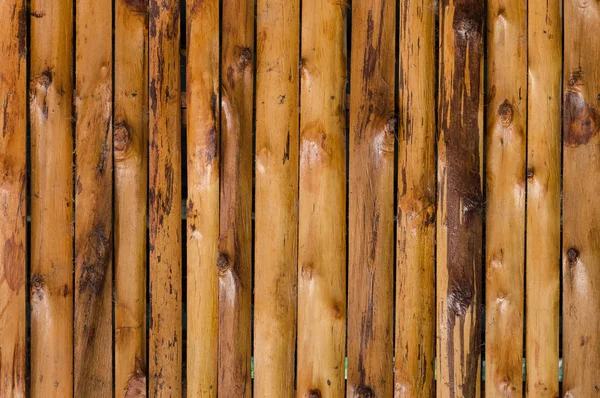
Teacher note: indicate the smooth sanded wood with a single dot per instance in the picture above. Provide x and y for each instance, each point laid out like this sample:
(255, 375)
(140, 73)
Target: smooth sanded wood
(543, 197)
(460, 198)
(130, 153)
(275, 270)
(415, 266)
(371, 199)
(235, 239)
(93, 198)
(13, 187)
(506, 141)
(50, 115)
(165, 340)
(322, 208)
(581, 209)
(203, 128)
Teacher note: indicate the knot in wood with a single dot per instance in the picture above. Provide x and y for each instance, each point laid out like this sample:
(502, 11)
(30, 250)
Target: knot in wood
(314, 393)
(365, 392)
(223, 262)
(505, 111)
(572, 255)
(121, 139)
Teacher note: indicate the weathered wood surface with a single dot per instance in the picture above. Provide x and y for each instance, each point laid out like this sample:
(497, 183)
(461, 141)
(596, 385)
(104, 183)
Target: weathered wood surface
(276, 197)
(581, 207)
(543, 198)
(203, 126)
(371, 200)
(51, 278)
(322, 208)
(506, 124)
(415, 246)
(460, 198)
(130, 153)
(235, 239)
(13, 190)
(166, 340)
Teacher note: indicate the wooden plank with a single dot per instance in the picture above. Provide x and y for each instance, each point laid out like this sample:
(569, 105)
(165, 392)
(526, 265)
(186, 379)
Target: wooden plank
(235, 239)
(506, 123)
(165, 201)
(203, 136)
(460, 198)
(415, 247)
(51, 283)
(130, 154)
(543, 198)
(371, 199)
(93, 198)
(581, 209)
(13, 188)
(322, 208)
(275, 278)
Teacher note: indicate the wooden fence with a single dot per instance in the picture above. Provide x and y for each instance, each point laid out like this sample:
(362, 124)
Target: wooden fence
(300, 197)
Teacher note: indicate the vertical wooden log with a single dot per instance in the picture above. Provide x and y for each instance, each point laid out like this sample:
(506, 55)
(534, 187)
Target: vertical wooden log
(277, 88)
(322, 208)
(50, 108)
(165, 201)
(13, 188)
(203, 126)
(505, 216)
(460, 197)
(130, 153)
(235, 239)
(415, 250)
(371, 199)
(93, 198)
(543, 197)
(581, 211)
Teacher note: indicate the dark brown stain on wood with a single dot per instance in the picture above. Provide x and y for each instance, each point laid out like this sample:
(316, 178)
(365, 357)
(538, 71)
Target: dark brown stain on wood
(137, 6)
(581, 121)
(95, 258)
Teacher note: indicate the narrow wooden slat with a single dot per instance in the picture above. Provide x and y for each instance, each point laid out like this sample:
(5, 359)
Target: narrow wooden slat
(93, 198)
(371, 199)
(581, 208)
(460, 198)
(13, 188)
(51, 283)
(203, 128)
(415, 250)
(235, 239)
(505, 202)
(543, 198)
(130, 154)
(277, 87)
(165, 340)
(322, 208)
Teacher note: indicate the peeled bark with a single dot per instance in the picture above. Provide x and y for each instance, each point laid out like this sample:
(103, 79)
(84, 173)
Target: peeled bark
(51, 280)
(322, 209)
(203, 129)
(371, 199)
(13, 187)
(165, 201)
(505, 196)
(460, 198)
(543, 198)
(130, 152)
(275, 278)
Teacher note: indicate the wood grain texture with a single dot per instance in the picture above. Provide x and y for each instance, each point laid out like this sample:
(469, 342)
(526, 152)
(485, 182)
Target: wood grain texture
(581, 209)
(322, 208)
(166, 342)
(93, 198)
(506, 123)
(130, 153)
(51, 281)
(13, 190)
(460, 198)
(275, 270)
(203, 136)
(543, 198)
(371, 199)
(235, 239)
